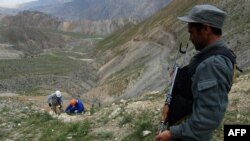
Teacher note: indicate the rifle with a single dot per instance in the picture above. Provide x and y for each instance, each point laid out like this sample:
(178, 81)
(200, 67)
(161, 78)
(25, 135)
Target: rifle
(173, 75)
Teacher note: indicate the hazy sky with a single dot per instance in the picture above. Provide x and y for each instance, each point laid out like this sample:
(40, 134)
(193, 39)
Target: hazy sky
(12, 3)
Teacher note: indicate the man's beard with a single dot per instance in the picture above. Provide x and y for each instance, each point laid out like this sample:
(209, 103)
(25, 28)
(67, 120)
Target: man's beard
(199, 45)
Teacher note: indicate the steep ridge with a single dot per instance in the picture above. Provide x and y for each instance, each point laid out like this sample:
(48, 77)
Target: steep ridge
(32, 19)
(131, 63)
(135, 59)
(97, 28)
(31, 32)
(97, 9)
(35, 56)
(95, 17)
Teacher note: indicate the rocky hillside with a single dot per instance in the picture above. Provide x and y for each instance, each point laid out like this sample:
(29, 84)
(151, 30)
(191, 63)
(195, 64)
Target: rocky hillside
(32, 19)
(35, 56)
(96, 28)
(97, 9)
(122, 79)
(136, 119)
(132, 61)
(135, 60)
(91, 17)
(33, 42)
(31, 32)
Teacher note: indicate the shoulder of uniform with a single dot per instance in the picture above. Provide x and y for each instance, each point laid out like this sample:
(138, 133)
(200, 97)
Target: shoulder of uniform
(219, 60)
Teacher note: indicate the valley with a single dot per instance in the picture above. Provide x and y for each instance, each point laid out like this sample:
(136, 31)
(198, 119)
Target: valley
(118, 67)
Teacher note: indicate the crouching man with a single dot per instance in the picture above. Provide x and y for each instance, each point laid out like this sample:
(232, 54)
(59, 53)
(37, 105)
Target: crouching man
(75, 106)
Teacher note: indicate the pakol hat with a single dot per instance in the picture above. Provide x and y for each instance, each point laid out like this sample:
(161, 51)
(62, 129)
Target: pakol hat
(207, 14)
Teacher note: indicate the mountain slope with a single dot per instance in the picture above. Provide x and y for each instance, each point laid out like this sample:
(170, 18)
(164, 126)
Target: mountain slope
(31, 19)
(131, 63)
(36, 56)
(135, 59)
(97, 28)
(97, 9)
(94, 17)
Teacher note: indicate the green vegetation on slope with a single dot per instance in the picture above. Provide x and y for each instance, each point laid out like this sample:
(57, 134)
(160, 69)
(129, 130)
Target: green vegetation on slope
(117, 39)
(40, 126)
(41, 65)
(235, 31)
(119, 81)
(22, 120)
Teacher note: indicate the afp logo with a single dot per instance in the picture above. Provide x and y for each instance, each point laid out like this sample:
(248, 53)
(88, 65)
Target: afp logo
(241, 132)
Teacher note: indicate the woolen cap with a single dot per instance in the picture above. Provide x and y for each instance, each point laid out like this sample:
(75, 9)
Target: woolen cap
(207, 14)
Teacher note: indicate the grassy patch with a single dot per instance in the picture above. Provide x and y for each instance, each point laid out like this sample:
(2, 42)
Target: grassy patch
(118, 38)
(73, 34)
(235, 117)
(231, 117)
(103, 135)
(121, 79)
(126, 118)
(2, 133)
(53, 129)
(69, 54)
(4, 109)
(141, 123)
(34, 91)
(42, 65)
(104, 119)
(246, 71)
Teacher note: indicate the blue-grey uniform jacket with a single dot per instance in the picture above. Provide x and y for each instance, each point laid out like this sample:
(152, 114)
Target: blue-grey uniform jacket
(211, 84)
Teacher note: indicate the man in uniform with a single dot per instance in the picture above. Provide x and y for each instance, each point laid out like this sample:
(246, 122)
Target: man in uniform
(210, 73)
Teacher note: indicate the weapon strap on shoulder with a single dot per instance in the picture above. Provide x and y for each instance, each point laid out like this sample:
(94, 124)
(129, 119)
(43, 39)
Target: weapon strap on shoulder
(229, 54)
(236, 67)
(181, 100)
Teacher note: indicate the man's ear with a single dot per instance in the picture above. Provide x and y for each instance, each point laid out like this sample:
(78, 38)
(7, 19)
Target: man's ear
(206, 32)
(207, 29)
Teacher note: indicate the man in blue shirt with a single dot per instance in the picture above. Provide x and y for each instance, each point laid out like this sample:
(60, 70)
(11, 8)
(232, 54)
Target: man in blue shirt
(75, 106)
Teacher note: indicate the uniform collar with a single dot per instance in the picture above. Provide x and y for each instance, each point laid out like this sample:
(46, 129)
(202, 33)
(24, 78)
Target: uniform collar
(218, 43)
